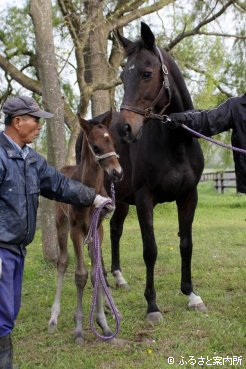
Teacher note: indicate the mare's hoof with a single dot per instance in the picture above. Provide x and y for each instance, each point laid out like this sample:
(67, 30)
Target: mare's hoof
(199, 307)
(52, 328)
(154, 318)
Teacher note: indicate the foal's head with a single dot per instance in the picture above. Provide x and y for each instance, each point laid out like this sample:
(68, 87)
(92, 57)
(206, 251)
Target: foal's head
(101, 144)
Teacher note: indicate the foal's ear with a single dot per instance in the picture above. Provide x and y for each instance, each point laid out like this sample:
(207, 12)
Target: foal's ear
(123, 40)
(147, 36)
(84, 124)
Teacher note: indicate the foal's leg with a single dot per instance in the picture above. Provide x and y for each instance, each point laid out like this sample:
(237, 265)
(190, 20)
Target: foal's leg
(186, 210)
(100, 313)
(116, 228)
(144, 204)
(81, 275)
(62, 236)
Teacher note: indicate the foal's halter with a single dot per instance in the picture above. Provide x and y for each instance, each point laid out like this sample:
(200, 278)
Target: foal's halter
(148, 112)
(104, 156)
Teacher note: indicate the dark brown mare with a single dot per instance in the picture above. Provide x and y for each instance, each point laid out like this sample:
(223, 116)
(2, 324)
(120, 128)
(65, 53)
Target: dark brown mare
(161, 165)
(97, 143)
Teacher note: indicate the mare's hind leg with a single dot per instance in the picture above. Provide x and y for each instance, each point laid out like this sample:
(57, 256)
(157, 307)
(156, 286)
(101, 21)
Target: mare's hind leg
(186, 210)
(62, 235)
(100, 313)
(116, 228)
(81, 275)
(145, 207)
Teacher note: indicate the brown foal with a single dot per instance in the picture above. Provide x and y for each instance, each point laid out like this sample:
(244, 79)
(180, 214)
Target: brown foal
(98, 156)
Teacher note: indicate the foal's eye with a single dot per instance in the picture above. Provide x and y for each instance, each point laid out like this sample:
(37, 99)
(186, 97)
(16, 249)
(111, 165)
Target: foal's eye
(96, 149)
(147, 75)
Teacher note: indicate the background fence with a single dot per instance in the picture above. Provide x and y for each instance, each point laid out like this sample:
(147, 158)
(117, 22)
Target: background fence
(222, 180)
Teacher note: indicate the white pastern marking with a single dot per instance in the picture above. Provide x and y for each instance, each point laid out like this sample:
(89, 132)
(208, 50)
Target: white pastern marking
(194, 299)
(120, 280)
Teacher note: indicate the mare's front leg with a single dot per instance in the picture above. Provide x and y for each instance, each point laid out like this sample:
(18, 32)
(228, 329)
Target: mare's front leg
(144, 204)
(186, 210)
(116, 229)
(81, 275)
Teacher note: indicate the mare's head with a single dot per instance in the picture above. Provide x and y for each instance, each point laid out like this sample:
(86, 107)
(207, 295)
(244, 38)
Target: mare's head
(146, 83)
(101, 144)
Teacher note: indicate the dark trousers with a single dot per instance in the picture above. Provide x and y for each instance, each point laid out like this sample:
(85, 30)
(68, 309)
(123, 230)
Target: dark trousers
(11, 275)
(6, 353)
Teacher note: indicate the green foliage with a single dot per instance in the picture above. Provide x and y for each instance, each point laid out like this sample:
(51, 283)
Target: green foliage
(218, 276)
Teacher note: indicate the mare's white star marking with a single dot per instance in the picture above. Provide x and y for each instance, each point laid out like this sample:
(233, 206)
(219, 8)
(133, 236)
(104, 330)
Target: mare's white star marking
(105, 135)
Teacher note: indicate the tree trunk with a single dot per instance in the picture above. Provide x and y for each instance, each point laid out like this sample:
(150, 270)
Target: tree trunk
(41, 13)
(98, 39)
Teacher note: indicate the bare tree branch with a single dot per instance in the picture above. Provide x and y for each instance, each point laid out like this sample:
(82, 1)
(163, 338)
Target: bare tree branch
(195, 30)
(115, 22)
(34, 86)
(239, 37)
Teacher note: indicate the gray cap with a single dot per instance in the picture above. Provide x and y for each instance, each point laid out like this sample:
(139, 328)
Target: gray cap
(21, 105)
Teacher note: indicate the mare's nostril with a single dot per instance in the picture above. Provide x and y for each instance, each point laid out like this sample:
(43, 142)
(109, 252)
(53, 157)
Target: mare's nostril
(125, 129)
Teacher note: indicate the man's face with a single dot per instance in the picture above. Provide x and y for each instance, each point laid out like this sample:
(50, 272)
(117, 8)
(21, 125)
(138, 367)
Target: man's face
(28, 128)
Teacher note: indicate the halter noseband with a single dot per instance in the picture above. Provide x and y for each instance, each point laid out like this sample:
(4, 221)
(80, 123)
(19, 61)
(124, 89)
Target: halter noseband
(104, 156)
(148, 112)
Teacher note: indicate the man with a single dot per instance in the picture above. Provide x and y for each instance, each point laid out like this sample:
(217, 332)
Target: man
(229, 115)
(24, 174)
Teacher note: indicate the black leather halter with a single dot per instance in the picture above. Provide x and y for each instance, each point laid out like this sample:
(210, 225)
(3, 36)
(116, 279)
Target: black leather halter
(148, 112)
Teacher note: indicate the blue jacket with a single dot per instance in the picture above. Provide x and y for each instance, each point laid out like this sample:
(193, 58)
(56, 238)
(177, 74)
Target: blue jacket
(21, 183)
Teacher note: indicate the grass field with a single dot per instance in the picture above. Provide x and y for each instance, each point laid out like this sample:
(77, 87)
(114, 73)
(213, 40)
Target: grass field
(192, 339)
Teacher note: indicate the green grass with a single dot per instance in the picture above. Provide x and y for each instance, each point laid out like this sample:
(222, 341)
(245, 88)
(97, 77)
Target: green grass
(219, 274)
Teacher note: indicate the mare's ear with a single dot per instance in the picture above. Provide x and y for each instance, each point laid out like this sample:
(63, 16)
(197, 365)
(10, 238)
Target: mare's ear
(104, 119)
(84, 124)
(123, 40)
(147, 36)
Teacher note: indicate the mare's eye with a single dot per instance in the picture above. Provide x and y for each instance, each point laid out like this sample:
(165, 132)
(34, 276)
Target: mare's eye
(96, 149)
(147, 75)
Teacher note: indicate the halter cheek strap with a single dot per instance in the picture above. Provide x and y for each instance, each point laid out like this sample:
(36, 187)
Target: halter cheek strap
(148, 112)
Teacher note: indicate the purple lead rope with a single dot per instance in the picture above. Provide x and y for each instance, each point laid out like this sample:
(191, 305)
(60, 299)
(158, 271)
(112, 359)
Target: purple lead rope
(214, 141)
(99, 276)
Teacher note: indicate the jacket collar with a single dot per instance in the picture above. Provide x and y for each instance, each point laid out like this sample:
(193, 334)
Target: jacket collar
(11, 152)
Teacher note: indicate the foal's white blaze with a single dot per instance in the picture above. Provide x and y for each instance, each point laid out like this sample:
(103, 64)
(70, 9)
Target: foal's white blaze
(120, 280)
(131, 67)
(194, 300)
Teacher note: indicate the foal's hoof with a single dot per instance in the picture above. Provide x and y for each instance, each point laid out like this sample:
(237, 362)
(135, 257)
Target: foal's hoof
(199, 307)
(79, 340)
(52, 328)
(154, 318)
